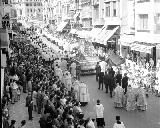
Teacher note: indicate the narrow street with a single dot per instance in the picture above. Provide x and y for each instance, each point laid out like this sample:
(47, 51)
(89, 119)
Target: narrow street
(135, 119)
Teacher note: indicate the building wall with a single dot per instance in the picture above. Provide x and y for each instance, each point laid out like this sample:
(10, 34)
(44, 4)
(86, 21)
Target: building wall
(86, 14)
(127, 17)
(150, 8)
(97, 12)
(112, 15)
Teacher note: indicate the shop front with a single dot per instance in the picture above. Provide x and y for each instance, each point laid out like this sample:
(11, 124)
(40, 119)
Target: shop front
(4, 39)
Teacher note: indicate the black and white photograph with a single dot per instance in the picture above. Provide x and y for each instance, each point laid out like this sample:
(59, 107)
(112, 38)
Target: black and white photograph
(80, 63)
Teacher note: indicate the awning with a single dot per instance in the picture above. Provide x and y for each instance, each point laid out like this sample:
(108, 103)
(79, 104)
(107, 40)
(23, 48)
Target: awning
(141, 48)
(105, 35)
(4, 38)
(101, 34)
(61, 26)
(109, 34)
(94, 32)
(73, 31)
(126, 40)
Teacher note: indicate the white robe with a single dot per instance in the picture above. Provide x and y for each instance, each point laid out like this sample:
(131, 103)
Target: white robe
(73, 69)
(84, 94)
(68, 81)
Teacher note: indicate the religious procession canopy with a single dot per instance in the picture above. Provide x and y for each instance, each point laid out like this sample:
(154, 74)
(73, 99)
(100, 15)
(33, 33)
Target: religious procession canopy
(114, 59)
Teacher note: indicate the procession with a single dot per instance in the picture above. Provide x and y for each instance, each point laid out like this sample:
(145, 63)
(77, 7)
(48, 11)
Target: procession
(80, 63)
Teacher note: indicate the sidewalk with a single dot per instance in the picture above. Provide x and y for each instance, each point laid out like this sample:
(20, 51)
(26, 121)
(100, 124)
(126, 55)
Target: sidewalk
(19, 112)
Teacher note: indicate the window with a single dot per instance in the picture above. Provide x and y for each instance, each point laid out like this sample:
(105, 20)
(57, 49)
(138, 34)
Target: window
(27, 10)
(34, 4)
(108, 9)
(114, 9)
(27, 4)
(20, 12)
(143, 21)
(30, 4)
(157, 23)
(158, 1)
(30, 10)
(141, 1)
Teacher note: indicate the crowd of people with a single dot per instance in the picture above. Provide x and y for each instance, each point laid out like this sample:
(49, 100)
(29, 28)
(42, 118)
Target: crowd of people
(125, 94)
(51, 87)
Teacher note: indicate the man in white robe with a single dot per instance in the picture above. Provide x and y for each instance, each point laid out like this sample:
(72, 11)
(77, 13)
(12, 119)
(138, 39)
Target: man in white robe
(118, 97)
(76, 88)
(59, 73)
(63, 65)
(103, 65)
(68, 81)
(73, 69)
(84, 94)
(141, 99)
(57, 62)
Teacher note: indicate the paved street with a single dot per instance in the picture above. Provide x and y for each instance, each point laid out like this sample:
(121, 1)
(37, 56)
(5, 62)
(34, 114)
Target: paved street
(135, 119)
(19, 112)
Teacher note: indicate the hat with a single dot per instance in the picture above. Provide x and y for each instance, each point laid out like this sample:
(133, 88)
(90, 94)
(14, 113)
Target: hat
(13, 121)
(23, 122)
(117, 117)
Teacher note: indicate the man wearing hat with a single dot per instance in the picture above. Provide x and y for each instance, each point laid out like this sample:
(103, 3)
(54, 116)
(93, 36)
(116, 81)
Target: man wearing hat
(12, 124)
(118, 124)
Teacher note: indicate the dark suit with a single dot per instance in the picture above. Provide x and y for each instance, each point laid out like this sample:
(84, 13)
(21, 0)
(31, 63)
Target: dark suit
(39, 102)
(111, 72)
(30, 109)
(101, 80)
(98, 70)
(106, 81)
(28, 100)
(125, 83)
(111, 84)
(119, 78)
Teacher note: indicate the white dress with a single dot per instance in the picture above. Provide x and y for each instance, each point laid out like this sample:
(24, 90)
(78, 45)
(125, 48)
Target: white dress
(119, 125)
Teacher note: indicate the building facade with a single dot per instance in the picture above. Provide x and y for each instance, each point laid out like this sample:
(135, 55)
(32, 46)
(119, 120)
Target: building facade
(140, 26)
(97, 12)
(147, 25)
(31, 9)
(49, 11)
(86, 14)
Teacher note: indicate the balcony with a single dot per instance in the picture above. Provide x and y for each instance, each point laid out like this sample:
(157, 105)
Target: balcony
(98, 21)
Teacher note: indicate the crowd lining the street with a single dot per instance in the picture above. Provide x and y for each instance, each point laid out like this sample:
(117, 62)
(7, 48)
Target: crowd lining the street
(52, 88)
